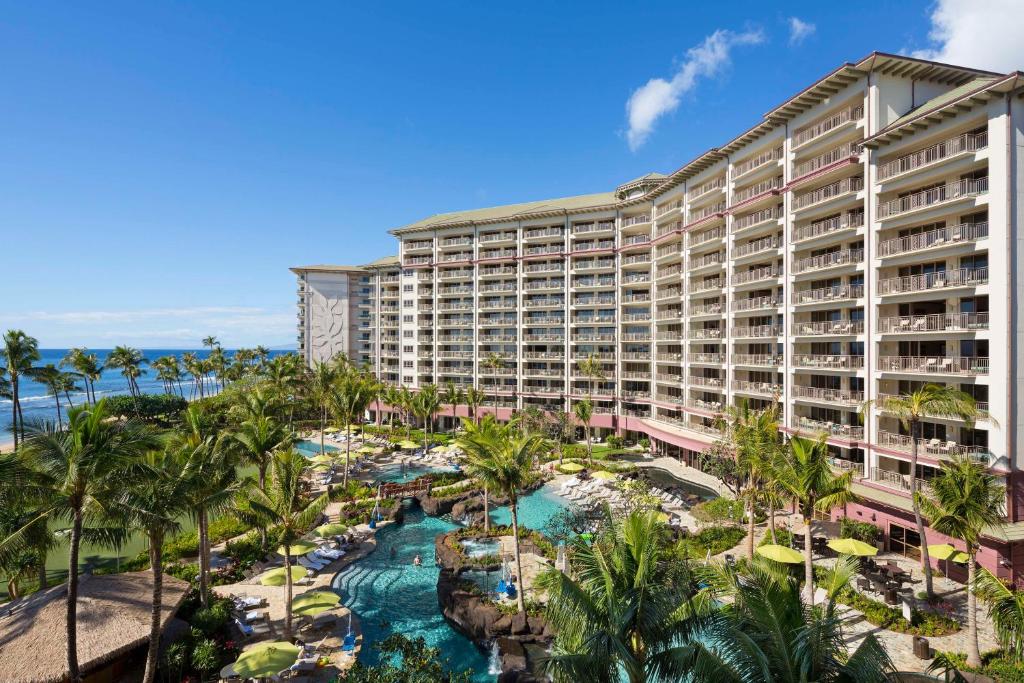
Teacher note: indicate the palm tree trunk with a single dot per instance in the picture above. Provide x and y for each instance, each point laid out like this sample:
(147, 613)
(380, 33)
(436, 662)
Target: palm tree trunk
(750, 526)
(156, 566)
(56, 399)
(348, 452)
(14, 408)
(974, 652)
(520, 600)
(67, 395)
(71, 618)
(204, 559)
(926, 565)
(323, 426)
(771, 519)
(808, 560)
(43, 582)
(487, 513)
(287, 592)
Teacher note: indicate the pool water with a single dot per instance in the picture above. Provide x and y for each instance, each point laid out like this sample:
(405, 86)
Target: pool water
(481, 547)
(535, 509)
(486, 580)
(390, 595)
(666, 480)
(312, 448)
(401, 473)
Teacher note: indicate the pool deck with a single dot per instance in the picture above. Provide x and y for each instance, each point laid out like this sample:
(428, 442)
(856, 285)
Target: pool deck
(688, 473)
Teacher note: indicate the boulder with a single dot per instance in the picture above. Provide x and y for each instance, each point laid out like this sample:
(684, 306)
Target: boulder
(512, 654)
(520, 624)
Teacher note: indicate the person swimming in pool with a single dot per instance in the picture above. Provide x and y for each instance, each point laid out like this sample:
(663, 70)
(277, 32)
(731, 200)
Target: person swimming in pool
(417, 561)
(394, 553)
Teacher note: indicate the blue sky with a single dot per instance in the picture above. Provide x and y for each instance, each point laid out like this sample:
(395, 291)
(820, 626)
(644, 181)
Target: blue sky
(162, 164)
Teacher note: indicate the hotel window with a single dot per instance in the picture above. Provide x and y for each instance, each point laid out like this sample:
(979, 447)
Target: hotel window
(407, 288)
(407, 318)
(407, 348)
(407, 363)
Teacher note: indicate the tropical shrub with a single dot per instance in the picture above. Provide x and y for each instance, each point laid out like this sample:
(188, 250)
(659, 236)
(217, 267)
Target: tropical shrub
(717, 539)
(147, 407)
(615, 441)
(862, 531)
(719, 510)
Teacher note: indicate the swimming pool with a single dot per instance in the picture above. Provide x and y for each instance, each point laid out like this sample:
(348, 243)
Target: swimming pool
(403, 472)
(311, 448)
(535, 509)
(666, 480)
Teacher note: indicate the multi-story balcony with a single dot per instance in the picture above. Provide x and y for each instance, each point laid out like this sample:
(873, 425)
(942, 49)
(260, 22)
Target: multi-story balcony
(535, 285)
(761, 360)
(839, 396)
(756, 303)
(763, 187)
(674, 226)
(701, 214)
(545, 302)
(695, 239)
(640, 317)
(544, 372)
(706, 188)
(757, 246)
(756, 331)
(757, 274)
(758, 388)
(834, 259)
(757, 161)
(936, 448)
(592, 245)
(635, 374)
(961, 144)
(544, 337)
(933, 239)
(943, 279)
(934, 365)
(544, 320)
(894, 480)
(828, 294)
(455, 354)
(935, 196)
(844, 151)
(756, 218)
(598, 226)
(938, 322)
(423, 276)
(455, 290)
(824, 126)
(846, 186)
(706, 358)
(485, 370)
(821, 361)
(538, 233)
(834, 429)
(828, 328)
(461, 306)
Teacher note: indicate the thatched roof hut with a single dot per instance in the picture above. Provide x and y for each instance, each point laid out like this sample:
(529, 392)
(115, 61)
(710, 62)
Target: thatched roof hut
(113, 620)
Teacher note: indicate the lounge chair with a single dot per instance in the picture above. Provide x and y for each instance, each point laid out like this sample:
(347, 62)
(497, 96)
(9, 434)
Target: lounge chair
(250, 631)
(310, 564)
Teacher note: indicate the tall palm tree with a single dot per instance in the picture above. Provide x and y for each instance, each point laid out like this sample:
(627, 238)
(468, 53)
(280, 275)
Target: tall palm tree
(83, 468)
(88, 367)
(210, 342)
(49, 376)
(474, 398)
(494, 362)
(453, 396)
(584, 411)
(767, 634)
(322, 377)
(262, 353)
(217, 362)
(405, 399)
(284, 507)
(255, 440)
(961, 501)
(348, 402)
(618, 612)
(391, 397)
(502, 459)
(591, 368)
(910, 409)
(488, 430)
(805, 475)
(19, 352)
(285, 375)
(129, 361)
(427, 402)
(168, 371)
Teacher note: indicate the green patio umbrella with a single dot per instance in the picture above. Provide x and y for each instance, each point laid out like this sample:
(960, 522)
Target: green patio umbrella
(315, 602)
(366, 450)
(408, 445)
(330, 529)
(265, 659)
(275, 577)
(604, 474)
(945, 551)
(780, 553)
(300, 547)
(322, 459)
(331, 430)
(851, 546)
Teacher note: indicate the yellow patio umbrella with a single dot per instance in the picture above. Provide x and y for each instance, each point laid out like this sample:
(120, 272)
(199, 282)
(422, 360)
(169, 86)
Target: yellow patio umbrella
(320, 466)
(331, 430)
(330, 529)
(324, 459)
(275, 577)
(264, 660)
(407, 445)
(366, 450)
(299, 547)
(662, 517)
(780, 553)
(315, 602)
(945, 551)
(438, 449)
(851, 546)
(604, 474)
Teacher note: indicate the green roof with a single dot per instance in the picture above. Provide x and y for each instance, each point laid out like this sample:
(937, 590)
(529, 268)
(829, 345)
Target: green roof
(649, 176)
(512, 211)
(944, 99)
(386, 261)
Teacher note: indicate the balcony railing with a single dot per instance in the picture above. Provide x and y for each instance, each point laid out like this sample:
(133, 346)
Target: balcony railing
(546, 268)
(547, 249)
(706, 211)
(824, 226)
(935, 365)
(756, 303)
(757, 189)
(704, 188)
(456, 241)
(757, 246)
(599, 226)
(968, 142)
(827, 362)
(895, 480)
(669, 271)
(636, 258)
(636, 239)
(933, 197)
(669, 292)
(702, 309)
(637, 277)
(666, 229)
(761, 388)
(636, 220)
(498, 270)
(842, 396)
(629, 298)
(593, 282)
(757, 359)
(713, 259)
(956, 234)
(835, 429)
(591, 245)
(943, 279)
(542, 232)
(826, 294)
(828, 328)
(982, 408)
(934, 447)
(593, 264)
(696, 238)
(830, 191)
(714, 358)
(668, 250)
(845, 151)
(705, 381)
(705, 333)
(456, 256)
(757, 331)
(826, 125)
(497, 237)
(757, 161)
(706, 285)
(751, 219)
(830, 260)
(757, 274)
(416, 260)
(938, 322)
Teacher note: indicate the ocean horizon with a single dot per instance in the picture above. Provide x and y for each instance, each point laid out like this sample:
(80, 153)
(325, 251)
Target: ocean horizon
(38, 406)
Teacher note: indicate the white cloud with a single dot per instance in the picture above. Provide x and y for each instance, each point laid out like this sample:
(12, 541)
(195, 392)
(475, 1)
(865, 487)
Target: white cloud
(984, 34)
(799, 30)
(658, 96)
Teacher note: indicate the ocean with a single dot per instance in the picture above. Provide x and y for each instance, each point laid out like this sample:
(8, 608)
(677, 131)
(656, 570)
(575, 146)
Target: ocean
(37, 405)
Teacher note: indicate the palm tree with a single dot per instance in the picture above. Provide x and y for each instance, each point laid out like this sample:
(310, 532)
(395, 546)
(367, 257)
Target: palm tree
(619, 609)
(405, 400)
(502, 460)
(427, 403)
(591, 368)
(805, 475)
(348, 402)
(963, 499)
(129, 361)
(1006, 610)
(767, 634)
(255, 440)
(49, 376)
(285, 374)
(453, 396)
(285, 508)
(262, 353)
(210, 342)
(19, 352)
(494, 362)
(487, 431)
(191, 364)
(474, 398)
(391, 397)
(217, 362)
(322, 377)
(910, 409)
(168, 371)
(584, 411)
(88, 367)
(83, 468)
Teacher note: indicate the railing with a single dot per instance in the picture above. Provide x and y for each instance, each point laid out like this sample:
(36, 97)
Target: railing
(763, 388)
(705, 333)
(706, 357)
(757, 274)
(756, 302)
(636, 220)
(968, 142)
(455, 354)
(933, 447)
(697, 238)
(705, 381)
(456, 256)
(636, 277)
(669, 357)
(484, 370)
(981, 407)
(895, 480)
(547, 249)
(628, 394)
(636, 258)
(498, 270)
(757, 189)
(713, 259)
(635, 317)
(757, 217)
(591, 245)
(543, 320)
(456, 241)
(545, 268)
(662, 209)
(706, 211)
(757, 331)
(465, 289)
(848, 432)
(636, 374)
(757, 161)
(965, 232)
(636, 336)
(706, 187)
(842, 396)
(829, 327)
(666, 229)
(543, 372)
(542, 232)
(416, 260)
(419, 244)
(937, 365)
(850, 149)
(830, 191)
(669, 271)
(826, 125)
(704, 309)
(828, 362)
(593, 282)
(757, 246)
(674, 249)
(961, 277)
(497, 237)
(936, 322)
(592, 337)
(424, 276)
(592, 264)
(706, 285)
(848, 219)
(543, 355)
(550, 337)
(933, 196)
(830, 260)
(598, 355)
(670, 335)
(757, 359)
(668, 378)
(630, 298)
(669, 292)
(636, 239)
(836, 293)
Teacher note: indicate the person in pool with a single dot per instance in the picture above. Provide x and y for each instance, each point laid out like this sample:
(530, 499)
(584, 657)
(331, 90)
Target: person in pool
(394, 553)
(417, 561)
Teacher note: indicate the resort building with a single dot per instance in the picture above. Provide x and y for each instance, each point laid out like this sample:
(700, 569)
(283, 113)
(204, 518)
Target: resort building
(845, 248)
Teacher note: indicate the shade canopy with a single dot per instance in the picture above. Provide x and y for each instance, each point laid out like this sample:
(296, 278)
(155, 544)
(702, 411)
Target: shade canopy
(945, 551)
(780, 553)
(323, 459)
(662, 517)
(275, 577)
(851, 546)
(571, 467)
(314, 602)
(299, 547)
(330, 529)
(366, 449)
(265, 659)
(331, 430)
(405, 444)
(604, 474)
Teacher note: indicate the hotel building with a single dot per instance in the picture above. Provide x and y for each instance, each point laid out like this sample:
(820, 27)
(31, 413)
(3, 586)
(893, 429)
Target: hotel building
(848, 247)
